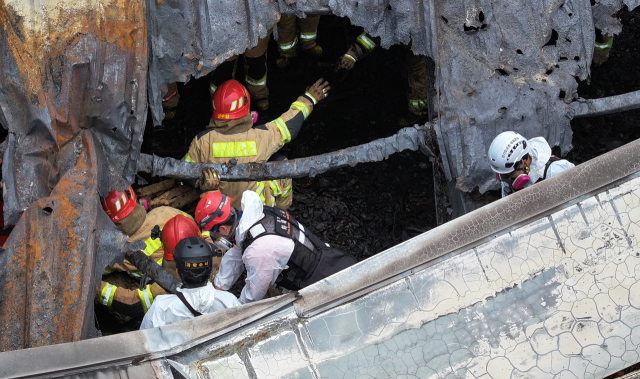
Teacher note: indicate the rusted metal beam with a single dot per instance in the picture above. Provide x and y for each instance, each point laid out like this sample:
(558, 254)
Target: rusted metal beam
(411, 138)
(605, 105)
(54, 255)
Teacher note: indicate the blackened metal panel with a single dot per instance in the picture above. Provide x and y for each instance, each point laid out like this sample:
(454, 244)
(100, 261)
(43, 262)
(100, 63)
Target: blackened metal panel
(192, 38)
(65, 67)
(507, 65)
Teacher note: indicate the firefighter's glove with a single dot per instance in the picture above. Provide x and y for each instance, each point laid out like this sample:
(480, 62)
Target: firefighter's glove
(347, 62)
(209, 180)
(318, 91)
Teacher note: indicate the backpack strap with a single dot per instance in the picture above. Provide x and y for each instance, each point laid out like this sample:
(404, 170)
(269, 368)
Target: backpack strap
(546, 165)
(186, 304)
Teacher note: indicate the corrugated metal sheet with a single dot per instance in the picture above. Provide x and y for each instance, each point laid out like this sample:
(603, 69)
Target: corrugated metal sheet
(54, 255)
(68, 66)
(72, 94)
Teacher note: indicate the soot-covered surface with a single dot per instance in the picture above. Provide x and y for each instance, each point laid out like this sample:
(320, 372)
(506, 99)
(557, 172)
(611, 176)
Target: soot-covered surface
(362, 209)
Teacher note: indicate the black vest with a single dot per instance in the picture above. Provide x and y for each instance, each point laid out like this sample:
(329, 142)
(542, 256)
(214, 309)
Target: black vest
(311, 259)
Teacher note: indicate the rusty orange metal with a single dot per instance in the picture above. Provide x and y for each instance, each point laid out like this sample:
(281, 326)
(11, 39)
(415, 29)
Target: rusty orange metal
(50, 263)
(74, 79)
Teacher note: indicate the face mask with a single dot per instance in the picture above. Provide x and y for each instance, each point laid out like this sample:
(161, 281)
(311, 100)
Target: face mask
(518, 182)
(223, 243)
(226, 242)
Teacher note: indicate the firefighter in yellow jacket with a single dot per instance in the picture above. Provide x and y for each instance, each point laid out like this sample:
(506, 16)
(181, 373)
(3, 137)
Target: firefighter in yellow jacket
(133, 220)
(231, 134)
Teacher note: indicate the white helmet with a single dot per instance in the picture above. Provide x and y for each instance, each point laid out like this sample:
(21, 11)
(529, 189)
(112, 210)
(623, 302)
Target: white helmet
(505, 150)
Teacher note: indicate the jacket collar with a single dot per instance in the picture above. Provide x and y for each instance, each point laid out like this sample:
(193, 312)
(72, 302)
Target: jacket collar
(236, 126)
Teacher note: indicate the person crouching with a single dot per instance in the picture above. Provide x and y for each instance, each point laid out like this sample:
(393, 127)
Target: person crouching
(196, 296)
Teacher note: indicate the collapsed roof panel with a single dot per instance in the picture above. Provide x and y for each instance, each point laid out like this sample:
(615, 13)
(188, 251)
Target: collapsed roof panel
(73, 80)
(66, 67)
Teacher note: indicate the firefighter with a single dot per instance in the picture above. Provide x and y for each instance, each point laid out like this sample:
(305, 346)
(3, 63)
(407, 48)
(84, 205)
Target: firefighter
(288, 38)
(136, 302)
(519, 163)
(133, 220)
(267, 241)
(255, 70)
(417, 103)
(170, 101)
(232, 135)
(196, 295)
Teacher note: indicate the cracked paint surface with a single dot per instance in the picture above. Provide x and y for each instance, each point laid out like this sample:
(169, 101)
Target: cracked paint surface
(557, 297)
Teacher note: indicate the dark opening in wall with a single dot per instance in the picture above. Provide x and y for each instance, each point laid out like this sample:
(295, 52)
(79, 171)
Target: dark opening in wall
(356, 112)
(444, 19)
(554, 38)
(502, 72)
(562, 94)
(519, 51)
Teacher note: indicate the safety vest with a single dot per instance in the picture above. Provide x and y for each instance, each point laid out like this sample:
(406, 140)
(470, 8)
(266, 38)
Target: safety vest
(307, 247)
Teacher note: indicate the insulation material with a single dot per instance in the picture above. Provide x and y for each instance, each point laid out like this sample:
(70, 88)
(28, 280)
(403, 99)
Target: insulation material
(604, 16)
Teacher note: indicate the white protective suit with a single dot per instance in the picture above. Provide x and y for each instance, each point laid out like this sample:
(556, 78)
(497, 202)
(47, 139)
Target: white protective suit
(264, 259)
(167, 309)
(540, 154)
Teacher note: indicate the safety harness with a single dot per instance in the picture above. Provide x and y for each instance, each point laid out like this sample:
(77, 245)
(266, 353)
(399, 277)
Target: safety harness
(307, 247)
(186, 304)
(546, 166)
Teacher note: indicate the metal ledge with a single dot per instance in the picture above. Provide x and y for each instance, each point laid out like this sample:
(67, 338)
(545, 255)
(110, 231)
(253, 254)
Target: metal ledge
(488, 220)
(133, 347)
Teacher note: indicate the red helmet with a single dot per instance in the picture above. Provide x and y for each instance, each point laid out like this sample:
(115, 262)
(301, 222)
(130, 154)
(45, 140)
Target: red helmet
(175, 230)
(119, 205)
(230, 101)
(213, 209)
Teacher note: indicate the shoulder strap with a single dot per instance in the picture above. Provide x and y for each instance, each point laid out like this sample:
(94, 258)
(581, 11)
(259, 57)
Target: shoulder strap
(186, 304)
(546, 166)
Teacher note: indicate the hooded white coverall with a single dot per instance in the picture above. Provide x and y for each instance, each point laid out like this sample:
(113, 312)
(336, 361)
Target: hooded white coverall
(264, 259)
(540, 154)
(167, 309)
